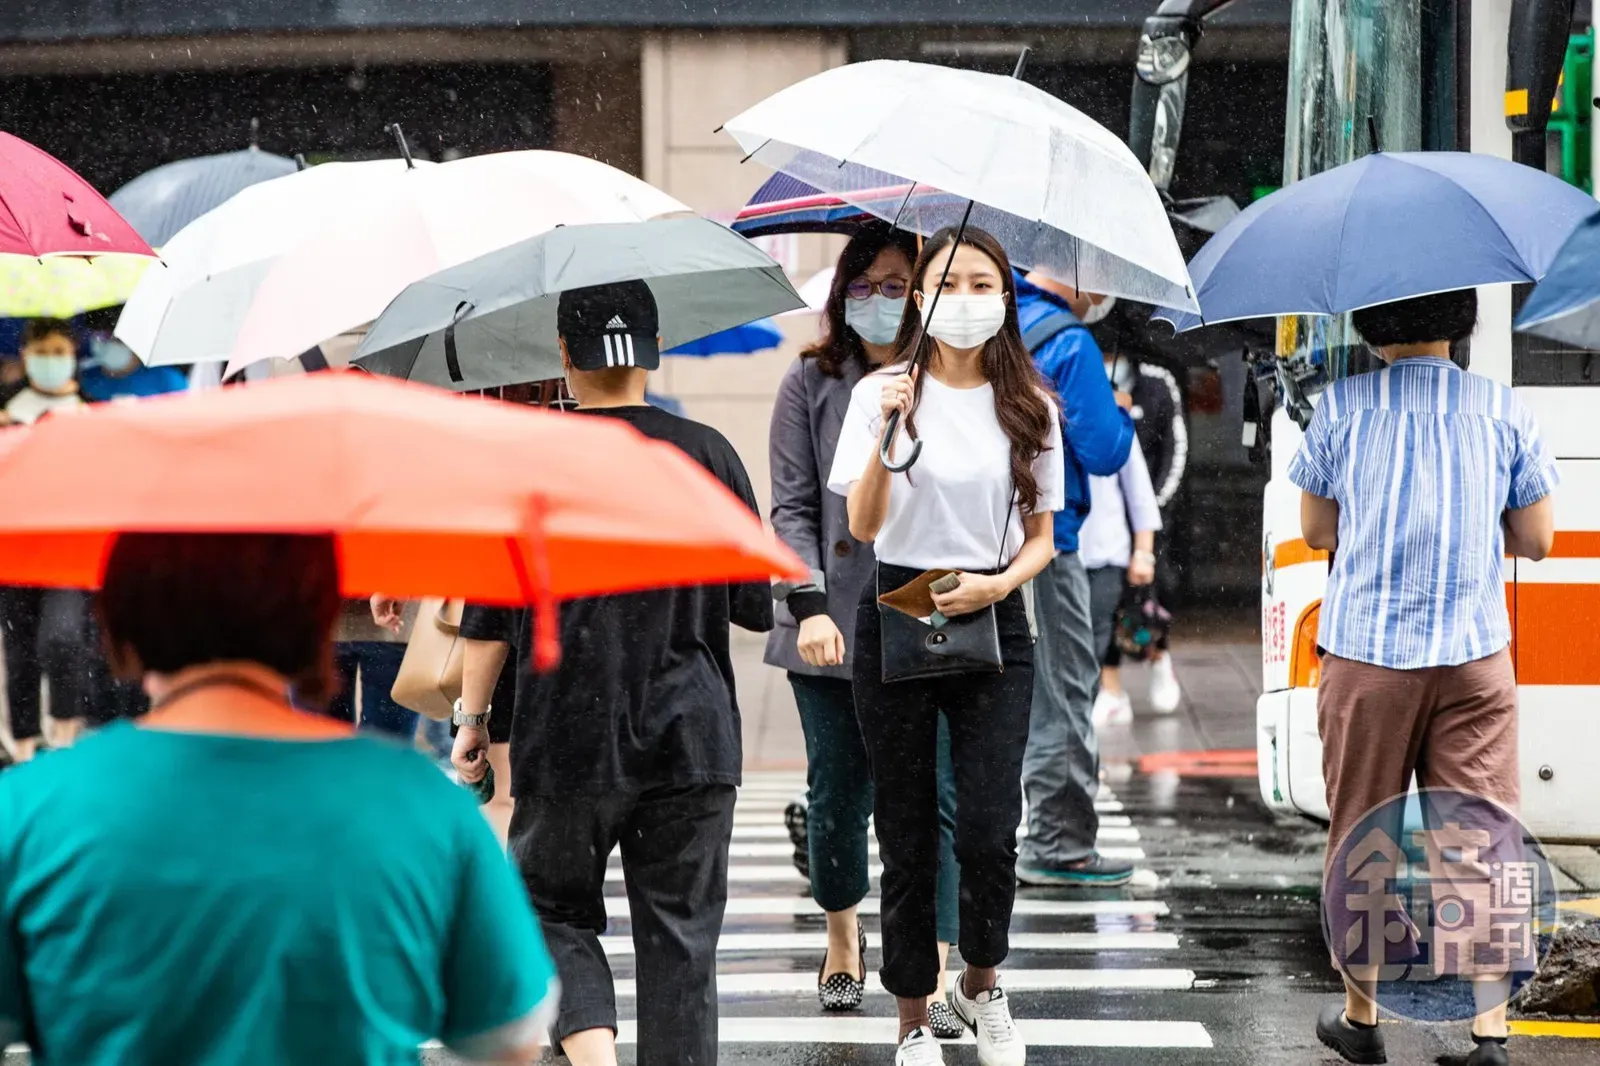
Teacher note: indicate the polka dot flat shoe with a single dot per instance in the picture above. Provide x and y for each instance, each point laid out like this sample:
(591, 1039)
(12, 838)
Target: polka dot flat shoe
(841, 991)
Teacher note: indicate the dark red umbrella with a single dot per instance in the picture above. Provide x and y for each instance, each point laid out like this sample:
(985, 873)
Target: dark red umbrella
(47, 209)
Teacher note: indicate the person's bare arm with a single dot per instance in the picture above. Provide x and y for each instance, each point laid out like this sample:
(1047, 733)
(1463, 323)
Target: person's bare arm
(481, 663)
(868, 503)
(1531, 531)
(1319, 521)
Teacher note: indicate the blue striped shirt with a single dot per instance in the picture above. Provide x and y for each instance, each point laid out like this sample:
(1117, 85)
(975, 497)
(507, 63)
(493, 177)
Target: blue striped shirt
(1423, 460)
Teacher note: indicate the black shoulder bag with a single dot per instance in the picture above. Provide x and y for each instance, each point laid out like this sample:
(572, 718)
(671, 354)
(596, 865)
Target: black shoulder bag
(914, 649)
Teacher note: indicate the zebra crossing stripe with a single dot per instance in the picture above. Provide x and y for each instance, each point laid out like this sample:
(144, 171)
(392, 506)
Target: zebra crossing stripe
(1080, 980)
(769, 807)
(778, 943)
(801, 906)
(742, 873)
(766, 828)
(756, 849)
(1036, 1032)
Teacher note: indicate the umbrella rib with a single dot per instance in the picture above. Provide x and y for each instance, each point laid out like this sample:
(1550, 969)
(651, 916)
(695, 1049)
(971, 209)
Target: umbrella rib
(756, 149)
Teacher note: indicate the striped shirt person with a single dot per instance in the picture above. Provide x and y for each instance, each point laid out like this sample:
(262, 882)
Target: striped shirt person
(1418, 477)
(1423, 458)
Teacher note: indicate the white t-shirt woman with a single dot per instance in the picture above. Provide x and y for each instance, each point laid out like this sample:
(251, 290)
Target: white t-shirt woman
(947, 513)
(978, 501)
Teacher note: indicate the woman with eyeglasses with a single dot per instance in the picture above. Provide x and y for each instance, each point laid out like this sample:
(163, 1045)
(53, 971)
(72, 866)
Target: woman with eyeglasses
(963, 529)
(860, 320)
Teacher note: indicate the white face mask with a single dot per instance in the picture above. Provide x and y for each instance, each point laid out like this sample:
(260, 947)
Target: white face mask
(1098, 312)
(964, 322)
(876, 319)
(112, 354)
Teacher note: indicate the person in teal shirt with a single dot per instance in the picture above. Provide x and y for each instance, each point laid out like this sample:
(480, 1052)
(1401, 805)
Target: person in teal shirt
(233, 881)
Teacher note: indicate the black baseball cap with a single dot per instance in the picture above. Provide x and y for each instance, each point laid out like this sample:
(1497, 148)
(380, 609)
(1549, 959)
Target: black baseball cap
(610, 325)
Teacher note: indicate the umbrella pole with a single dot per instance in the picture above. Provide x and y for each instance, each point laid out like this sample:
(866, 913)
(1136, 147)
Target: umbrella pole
(892, 424)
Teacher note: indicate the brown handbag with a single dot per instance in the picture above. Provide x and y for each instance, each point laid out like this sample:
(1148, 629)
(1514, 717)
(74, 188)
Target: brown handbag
(429, 681)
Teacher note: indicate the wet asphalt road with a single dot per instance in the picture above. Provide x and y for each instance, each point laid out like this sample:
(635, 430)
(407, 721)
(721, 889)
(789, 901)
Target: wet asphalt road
(1215, 955)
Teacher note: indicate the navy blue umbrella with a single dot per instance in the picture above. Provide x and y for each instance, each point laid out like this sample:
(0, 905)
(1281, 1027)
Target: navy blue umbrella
(1566, 305)
(162, 201)
(1388, 226)
(758, 336)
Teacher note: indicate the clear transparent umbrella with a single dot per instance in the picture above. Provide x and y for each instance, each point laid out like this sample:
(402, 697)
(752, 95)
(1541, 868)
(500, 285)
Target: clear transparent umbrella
(1063, 193)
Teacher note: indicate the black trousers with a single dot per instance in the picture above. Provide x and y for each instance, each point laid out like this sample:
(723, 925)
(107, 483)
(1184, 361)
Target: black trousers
(51, 633)
(988, 719)
(675, 867)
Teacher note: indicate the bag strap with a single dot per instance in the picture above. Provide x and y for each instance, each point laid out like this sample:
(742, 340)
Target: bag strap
(1005, 531)
(1044, 330)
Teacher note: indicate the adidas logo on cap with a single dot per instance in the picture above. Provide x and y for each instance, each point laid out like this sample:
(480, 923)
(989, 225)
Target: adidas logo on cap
(616, 323)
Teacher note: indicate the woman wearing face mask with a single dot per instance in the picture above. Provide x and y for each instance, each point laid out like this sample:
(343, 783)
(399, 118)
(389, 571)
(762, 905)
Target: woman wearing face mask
(861, 319)
(979, 502)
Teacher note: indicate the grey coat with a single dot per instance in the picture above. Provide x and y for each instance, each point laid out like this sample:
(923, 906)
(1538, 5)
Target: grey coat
(806, 421)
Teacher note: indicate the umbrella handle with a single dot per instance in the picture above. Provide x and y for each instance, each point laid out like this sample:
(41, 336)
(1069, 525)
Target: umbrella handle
(886, 446)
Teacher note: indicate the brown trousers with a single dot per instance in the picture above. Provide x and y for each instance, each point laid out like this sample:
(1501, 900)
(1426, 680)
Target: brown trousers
(1454, 727)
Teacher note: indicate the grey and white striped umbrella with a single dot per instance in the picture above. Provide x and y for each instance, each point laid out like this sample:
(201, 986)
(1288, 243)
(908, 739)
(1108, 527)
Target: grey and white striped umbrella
(492, 321)
(162, 201)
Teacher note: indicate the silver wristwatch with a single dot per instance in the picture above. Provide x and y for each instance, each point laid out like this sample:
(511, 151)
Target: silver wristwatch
(470, 721)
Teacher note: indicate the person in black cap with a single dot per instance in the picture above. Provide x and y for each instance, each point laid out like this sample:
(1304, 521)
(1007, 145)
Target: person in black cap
(633, 741)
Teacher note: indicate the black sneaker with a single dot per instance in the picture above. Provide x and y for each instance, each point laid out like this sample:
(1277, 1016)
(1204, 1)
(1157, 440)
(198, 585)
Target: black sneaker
(794, 819)
(1354, 1043)
(1489, 1052)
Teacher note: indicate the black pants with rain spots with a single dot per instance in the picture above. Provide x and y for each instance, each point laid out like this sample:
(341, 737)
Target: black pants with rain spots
(988, 718)
(674, 844)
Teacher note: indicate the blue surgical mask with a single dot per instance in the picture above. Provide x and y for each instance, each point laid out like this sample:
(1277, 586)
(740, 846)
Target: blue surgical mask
(112, 355)
(50, 373)
(876, 319)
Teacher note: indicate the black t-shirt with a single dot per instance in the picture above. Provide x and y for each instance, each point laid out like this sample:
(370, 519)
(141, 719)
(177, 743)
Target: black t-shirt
(644, 696)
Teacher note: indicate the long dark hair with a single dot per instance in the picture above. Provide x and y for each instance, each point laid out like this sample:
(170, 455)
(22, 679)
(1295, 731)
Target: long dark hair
(1020, 391)
(839, 343)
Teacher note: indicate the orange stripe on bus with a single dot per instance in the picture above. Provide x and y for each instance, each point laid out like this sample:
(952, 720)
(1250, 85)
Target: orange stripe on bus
(1576, 544)
(1292, 552)
(1557, 633)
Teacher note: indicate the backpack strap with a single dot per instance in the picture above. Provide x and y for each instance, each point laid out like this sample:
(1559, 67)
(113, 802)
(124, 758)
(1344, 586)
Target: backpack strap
(1043, 331)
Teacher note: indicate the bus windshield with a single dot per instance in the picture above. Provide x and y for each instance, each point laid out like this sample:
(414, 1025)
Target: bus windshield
(1355, 73)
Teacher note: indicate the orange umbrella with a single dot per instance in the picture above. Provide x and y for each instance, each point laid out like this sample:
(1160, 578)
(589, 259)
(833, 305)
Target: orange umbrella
(428, 493)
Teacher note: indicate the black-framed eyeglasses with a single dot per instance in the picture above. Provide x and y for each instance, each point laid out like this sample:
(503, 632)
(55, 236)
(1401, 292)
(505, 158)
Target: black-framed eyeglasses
(890, 288)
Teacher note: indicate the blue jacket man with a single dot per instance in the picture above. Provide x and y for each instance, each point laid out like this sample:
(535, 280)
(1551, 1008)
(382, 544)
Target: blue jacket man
(1098, 434)
(1061, 770)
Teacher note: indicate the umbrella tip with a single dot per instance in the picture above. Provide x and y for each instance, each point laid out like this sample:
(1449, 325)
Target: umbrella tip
(394, 129)
(300, 161)
(1022, 62)
(255, 132)
(1372, 133)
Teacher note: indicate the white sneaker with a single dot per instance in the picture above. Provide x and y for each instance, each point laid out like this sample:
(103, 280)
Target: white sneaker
(1164, 690)
(989, 1015)
(1112, 708)
(919, 1048)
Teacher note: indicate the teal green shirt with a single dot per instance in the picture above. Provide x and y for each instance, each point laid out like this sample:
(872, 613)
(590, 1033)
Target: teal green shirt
(171, 898)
